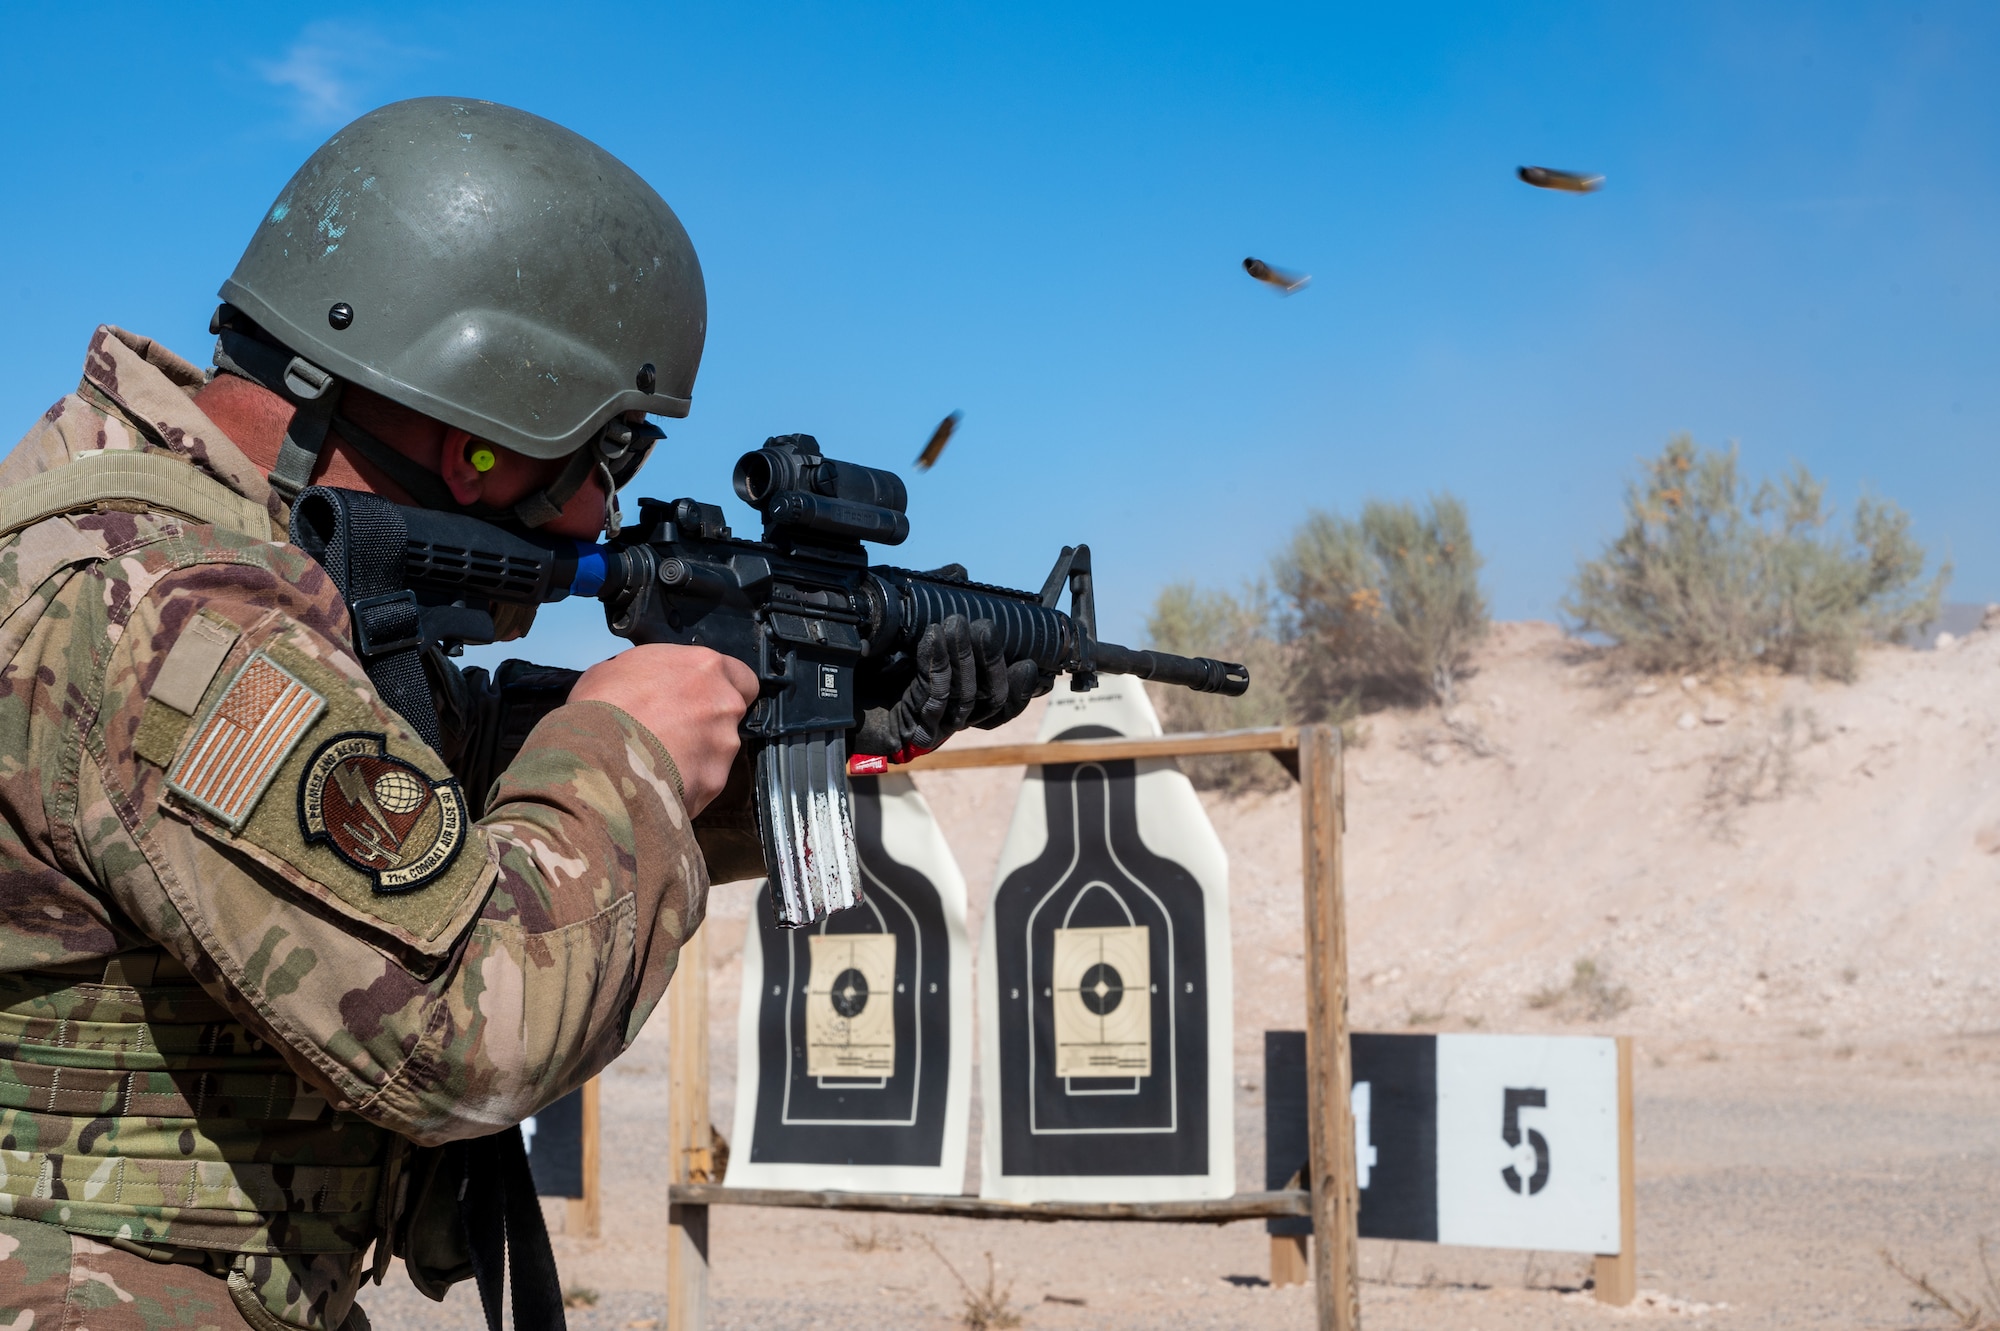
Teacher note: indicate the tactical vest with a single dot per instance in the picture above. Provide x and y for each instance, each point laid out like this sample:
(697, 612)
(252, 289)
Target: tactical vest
(133, 1107)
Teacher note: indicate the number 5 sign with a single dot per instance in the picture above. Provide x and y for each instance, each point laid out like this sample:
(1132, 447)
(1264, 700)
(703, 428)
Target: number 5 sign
(1528, 1151)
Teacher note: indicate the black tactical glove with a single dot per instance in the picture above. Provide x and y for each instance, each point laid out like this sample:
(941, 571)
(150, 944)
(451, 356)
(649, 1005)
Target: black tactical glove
(485, 719)
(961, 680)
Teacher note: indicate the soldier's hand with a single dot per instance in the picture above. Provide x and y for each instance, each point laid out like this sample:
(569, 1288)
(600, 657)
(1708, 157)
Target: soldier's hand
(691, 698)
(962, 680)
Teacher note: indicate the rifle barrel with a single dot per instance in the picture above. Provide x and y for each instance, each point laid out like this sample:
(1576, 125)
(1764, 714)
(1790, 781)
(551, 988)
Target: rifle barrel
(1201, 673)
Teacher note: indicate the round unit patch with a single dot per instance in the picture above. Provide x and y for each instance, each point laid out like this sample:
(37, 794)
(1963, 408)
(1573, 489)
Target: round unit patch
(380, 814)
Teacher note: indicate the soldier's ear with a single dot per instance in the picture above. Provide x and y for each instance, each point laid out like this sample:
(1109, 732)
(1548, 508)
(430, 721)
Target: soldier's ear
(456, 463)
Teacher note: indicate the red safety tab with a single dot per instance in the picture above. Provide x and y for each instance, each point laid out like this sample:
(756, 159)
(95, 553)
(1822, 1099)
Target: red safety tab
(867, 764)
(908, 753)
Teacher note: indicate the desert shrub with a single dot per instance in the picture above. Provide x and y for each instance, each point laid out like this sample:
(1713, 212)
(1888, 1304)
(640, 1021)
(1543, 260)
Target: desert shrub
(1709, 573)
(1589, 996)
(987, 1309)
(1978, 1311)
(1191, 622)
(1381, 610)
(1757, 767)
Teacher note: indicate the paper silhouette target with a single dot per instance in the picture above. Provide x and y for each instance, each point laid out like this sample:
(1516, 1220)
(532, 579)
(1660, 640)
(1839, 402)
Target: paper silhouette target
(854, 1039)
(1106, 1025)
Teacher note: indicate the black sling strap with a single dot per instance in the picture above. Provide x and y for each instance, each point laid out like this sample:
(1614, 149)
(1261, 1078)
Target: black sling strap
(502, 1214)
(360, 540)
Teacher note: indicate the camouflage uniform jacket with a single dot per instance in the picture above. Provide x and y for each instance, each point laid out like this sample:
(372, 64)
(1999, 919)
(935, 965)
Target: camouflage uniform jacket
(326, 953)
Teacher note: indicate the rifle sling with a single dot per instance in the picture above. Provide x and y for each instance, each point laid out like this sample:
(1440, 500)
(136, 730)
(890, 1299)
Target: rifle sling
(363, 553)
(503, 1215)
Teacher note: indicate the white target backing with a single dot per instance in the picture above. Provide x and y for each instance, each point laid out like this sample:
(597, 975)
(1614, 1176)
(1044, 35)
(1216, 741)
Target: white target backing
(855, 1035)
(1105, 1021)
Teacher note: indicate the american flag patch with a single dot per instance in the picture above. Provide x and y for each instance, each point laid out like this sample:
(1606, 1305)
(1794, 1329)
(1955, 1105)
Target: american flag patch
(246, 737)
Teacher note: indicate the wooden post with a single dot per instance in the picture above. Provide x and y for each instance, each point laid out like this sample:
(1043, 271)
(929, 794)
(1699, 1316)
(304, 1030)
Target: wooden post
(1288, 1260)
(1329, 1073)
(1617, 1280)
(586, 1213)
(688, 1135)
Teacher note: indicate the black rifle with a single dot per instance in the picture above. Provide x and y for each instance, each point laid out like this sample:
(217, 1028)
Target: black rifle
(824, 630)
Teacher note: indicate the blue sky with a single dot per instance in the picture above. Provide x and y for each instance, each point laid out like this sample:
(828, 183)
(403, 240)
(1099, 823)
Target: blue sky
(1035, 213)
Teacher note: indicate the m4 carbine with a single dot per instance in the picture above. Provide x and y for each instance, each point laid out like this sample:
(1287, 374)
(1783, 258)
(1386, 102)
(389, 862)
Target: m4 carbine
(803, 608)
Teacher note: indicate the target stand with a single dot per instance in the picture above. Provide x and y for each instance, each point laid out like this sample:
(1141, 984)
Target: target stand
(1313, 755)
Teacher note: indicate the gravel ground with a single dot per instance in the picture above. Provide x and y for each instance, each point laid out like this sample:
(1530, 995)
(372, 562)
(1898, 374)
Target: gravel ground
(1802, 948)
(1770, 1178)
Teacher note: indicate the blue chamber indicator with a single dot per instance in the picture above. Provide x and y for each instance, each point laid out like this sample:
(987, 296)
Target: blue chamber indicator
(590, 570)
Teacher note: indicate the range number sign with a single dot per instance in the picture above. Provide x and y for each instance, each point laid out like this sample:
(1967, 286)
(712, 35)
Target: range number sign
(1493, 1141)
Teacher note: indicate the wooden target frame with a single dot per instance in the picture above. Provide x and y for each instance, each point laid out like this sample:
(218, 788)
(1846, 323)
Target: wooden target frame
(1313, 756)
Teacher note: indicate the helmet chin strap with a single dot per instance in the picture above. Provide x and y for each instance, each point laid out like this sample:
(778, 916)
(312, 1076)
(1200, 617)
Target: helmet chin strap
(546, 505)
(614, 455)
(313, 393)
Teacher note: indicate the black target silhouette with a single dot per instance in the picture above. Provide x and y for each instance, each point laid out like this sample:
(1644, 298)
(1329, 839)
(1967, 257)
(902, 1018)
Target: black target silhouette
(900, 1120)
(850, 992)
(1096, 872)
(1102, 988)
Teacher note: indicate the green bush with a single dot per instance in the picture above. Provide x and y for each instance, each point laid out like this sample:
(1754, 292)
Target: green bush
(1369, 612)
(1191, 622)
(1708, 573)
(1383, 610)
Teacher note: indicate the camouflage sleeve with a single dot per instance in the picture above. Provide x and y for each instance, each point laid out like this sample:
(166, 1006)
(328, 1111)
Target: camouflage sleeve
(253, 807)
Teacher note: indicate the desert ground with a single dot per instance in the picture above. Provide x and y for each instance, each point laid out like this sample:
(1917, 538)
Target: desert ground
(1787, 891)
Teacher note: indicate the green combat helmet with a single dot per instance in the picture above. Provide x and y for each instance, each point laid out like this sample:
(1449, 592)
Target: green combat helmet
(482, 266)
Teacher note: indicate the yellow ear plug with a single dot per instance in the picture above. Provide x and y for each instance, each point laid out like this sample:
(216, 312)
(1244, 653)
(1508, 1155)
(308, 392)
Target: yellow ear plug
(483, 459)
